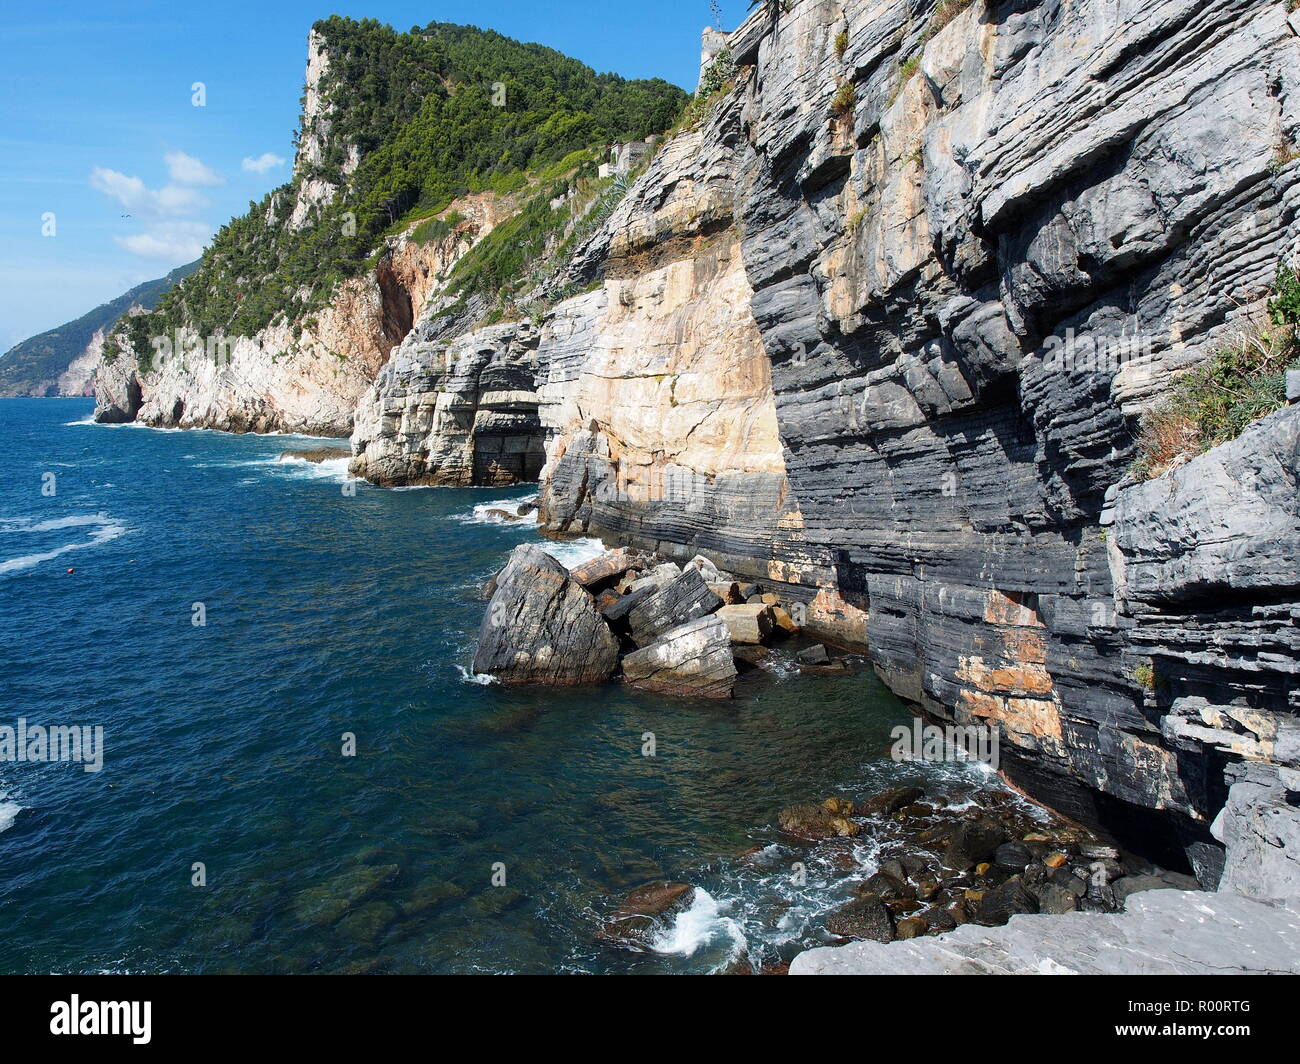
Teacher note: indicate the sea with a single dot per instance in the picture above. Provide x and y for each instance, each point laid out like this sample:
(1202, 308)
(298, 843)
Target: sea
(299, 771)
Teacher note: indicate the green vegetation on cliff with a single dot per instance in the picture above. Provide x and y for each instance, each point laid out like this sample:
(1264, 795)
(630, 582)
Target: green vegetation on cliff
(1214, 402)
(433, 113)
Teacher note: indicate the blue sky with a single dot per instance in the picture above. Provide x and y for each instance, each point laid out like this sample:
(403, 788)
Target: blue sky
(98, 130)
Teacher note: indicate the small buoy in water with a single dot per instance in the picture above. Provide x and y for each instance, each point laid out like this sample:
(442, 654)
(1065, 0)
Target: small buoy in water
(72, 570)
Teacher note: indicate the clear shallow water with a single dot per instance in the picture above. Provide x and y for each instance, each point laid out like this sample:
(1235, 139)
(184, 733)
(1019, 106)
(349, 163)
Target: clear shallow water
(329, 614)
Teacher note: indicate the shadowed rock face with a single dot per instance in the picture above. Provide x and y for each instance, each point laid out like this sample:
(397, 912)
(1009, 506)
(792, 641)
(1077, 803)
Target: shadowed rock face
(542, 627)
(918, 265)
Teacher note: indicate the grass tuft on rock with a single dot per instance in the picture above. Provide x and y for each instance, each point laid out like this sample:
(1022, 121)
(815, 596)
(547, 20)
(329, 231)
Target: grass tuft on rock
(1216, 401)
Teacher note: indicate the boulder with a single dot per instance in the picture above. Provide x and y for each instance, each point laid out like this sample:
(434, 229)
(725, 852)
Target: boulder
(883, 885)
(782, 619)
(998, 905)
(656, 577)
(1013, 856)
(646, 912)
(748, 623)
(815, 822)
(616, 612)
(813, 655)
(1056, 900)
(706, 568)
(541, 627)
(684, 598)
(866, 918)
(749, 656)
(972, 843)
(611, 564)
(910, 927)
(890, 801)
(693, 659)
(728, 592)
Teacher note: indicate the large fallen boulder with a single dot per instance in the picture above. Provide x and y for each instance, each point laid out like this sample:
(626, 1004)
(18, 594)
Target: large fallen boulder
(693, 659)
(750, 623)
(607, 566)
(543, 628)
(682, 599)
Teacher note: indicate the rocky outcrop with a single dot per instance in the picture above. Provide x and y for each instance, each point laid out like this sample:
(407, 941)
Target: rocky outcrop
(1160, 932)
(1260, 830)
(880, 330)
(1163, 932)
(931, 251)
(305, 376)
(691, 660)
(542, 627)
(462, 411)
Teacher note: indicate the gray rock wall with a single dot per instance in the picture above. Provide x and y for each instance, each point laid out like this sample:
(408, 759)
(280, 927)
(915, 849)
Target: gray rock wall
(935, 266)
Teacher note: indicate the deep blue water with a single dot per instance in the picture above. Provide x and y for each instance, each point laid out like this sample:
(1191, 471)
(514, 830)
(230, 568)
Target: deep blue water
(329, 614)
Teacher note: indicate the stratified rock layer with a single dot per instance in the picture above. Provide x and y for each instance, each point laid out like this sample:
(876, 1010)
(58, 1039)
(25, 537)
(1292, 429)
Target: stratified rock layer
(542, 627)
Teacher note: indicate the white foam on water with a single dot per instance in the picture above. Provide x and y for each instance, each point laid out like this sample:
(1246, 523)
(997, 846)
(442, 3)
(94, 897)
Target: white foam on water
(101, 529)
(700, 925)
(482, 514)
(575, 551)
(335, 469)
(8, 811)
(480, 678)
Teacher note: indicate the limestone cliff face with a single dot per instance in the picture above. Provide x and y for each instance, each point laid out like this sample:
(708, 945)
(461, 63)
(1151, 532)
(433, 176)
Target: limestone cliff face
(305, 376)
(881, 331)
(923, 245)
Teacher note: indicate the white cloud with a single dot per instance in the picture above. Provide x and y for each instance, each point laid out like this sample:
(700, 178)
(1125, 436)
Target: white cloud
(173, 242)
(264, 162)
(170, 233)
(134, 195)
(190, 171)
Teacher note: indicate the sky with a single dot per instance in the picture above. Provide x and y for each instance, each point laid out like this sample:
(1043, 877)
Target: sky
(110, 175)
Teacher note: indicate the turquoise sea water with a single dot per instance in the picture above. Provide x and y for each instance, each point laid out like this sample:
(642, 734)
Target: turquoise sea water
(328, 614)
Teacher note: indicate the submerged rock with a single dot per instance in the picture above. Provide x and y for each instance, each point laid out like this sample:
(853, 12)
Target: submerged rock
(542, 627)
(693, 659)
(810, 821)
(646, 912)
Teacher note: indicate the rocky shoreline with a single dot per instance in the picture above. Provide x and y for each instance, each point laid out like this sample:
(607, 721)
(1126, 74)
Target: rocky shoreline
(936, 862)
(682, 630)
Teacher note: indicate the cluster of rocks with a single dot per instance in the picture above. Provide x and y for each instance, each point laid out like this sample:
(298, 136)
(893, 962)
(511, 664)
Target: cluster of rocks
(939, 869)
(671, 629)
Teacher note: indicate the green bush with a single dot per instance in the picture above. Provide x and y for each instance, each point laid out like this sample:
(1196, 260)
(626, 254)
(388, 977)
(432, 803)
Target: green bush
(420, 107)
(1214, 402)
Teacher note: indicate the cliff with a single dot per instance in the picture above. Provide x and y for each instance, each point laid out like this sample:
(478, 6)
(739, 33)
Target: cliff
(883, 325)
(411, 148)
(880, 331)
(63, 361)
